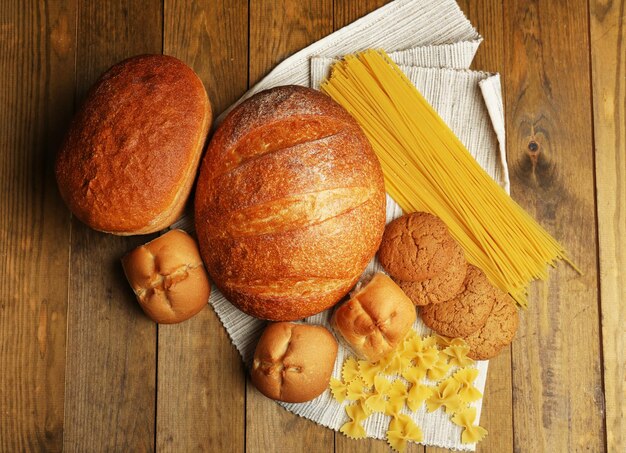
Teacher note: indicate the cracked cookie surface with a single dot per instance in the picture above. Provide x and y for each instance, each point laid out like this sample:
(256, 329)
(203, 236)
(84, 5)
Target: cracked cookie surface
(416, 247)
(465, 313)
(443, 286)
(498, 331)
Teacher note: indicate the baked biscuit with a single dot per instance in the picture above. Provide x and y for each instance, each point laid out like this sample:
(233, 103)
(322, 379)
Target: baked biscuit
(443, 286)
(416, 247)
(498, 331)
(465, 313)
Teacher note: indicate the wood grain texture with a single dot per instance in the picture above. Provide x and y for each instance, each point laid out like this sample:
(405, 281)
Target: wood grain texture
(608, 64)
(111, 346)
(282, 27)
(557, 377)
(347, 11)
(486, 17)
(201, 378)
(36, 97)
(277, 30)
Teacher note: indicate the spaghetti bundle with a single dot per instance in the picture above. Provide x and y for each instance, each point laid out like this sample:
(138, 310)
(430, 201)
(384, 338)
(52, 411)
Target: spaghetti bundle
(427, 168)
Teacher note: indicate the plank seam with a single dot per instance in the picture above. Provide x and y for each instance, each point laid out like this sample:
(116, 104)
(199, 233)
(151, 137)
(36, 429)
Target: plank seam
(596, 217)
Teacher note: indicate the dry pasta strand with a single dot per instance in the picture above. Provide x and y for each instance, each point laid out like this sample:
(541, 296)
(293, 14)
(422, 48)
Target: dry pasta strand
(427, 168)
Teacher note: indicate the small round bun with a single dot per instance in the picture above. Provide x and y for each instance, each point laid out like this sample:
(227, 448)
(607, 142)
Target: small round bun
(375, 319)
(168, 277)
(293, 362)
(416, 247)
(443, 286)
(465, 313)
(130, 156)
(498, 331)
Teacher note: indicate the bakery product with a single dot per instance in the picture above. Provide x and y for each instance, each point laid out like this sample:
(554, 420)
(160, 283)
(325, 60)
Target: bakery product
(443, 286)
(498, 331)
(416, 247)
(168, 277)
(293, 362)
(130, 156)
(375, 319)
(465, 313)
(290, 204)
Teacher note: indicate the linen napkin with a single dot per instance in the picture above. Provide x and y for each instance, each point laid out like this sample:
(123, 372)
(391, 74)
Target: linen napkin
(433, 43)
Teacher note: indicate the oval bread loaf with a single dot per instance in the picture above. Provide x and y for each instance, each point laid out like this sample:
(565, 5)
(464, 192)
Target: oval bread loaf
(290, 204)
(130, 156)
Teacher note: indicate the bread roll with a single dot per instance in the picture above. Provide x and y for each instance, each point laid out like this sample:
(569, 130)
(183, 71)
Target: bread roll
(375, 319)
(290, 204)
(168, 277)
(130, 156)
(293, 362)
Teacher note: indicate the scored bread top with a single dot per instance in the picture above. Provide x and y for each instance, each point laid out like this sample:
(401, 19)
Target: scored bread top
(129, 158)
(290, 204)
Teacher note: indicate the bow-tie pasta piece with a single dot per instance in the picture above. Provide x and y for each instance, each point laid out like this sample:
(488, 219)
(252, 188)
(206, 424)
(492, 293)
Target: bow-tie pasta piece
(401, 431)
(471, 433)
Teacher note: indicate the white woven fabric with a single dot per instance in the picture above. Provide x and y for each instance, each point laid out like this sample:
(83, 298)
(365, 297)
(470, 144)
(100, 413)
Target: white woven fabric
(434, 44)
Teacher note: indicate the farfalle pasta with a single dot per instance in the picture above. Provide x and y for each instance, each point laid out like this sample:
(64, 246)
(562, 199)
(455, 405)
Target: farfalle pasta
(466, 377)
(471, 433)
(402, 430)
(431, 370)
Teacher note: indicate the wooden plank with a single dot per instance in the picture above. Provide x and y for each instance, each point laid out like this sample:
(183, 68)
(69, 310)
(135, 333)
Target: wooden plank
(608, 64)
(201, 378)
(486, 17)
(36, 97)
(111, 345)
(278, 29)
(282, 27)
(557, 380)
(347, 11)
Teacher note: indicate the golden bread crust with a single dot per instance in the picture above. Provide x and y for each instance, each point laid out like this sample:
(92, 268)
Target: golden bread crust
(168, 277)
(130, 156)
(293, 362)
(290, 204)
(375, 319)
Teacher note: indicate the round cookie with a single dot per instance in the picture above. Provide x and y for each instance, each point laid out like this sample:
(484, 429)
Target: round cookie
(465, 313)
(416, 247)
(443, 286)
(498, 331)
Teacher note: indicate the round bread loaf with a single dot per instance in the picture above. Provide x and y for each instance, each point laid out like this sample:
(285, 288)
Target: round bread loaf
(130, 156)
(168, 277)
(293, 362)
(290, 204)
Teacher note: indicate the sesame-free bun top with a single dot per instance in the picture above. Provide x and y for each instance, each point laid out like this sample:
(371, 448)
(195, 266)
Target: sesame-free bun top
(375, 319)
(130, 156)
(168, 277)
(293, 362)
(290, 204)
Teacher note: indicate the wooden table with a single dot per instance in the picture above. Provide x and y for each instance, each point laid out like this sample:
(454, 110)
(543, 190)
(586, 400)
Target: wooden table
(82, 369)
